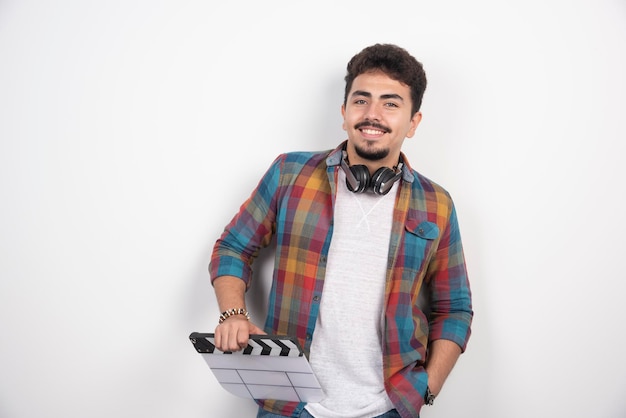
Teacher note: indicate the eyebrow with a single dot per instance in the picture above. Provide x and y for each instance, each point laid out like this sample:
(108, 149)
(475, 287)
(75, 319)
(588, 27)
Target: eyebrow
(383, 96)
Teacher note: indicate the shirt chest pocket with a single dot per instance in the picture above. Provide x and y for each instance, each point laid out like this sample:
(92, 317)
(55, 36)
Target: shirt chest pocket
(419, 238)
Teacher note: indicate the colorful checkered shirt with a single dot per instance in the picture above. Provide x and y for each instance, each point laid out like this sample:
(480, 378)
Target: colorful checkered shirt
(293, 202)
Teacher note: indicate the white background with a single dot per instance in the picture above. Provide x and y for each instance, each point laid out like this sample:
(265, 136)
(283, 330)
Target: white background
(131, 131)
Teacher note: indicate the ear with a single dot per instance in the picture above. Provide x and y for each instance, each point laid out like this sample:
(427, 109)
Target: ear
(343, 115)
(415, 121)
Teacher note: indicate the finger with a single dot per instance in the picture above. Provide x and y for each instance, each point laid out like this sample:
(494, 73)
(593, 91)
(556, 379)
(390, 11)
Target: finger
(256, 330)
(238, 338)
(218, 338)
(242, 340)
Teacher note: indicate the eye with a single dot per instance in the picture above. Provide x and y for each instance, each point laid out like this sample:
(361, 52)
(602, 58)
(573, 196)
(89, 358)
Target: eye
(360, 102)
(391, 104)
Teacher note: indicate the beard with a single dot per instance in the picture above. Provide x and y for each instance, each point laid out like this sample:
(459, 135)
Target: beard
(371, 154)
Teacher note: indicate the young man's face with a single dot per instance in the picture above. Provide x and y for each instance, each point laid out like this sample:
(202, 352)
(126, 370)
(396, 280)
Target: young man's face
(377, 117)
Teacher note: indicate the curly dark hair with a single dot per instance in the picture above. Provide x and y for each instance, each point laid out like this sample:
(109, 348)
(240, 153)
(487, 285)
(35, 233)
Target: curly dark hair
(394, 61)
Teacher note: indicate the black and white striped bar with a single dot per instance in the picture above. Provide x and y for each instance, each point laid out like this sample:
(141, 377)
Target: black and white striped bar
(262, 345)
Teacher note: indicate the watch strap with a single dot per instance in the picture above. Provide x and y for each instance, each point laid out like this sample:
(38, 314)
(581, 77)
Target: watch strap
(429, 398)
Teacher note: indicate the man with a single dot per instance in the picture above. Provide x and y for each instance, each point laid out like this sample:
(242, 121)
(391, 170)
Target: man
(362, 240)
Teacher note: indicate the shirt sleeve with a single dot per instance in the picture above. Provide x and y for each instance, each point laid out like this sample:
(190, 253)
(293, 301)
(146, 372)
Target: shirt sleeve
(450, 296)
(250, 230)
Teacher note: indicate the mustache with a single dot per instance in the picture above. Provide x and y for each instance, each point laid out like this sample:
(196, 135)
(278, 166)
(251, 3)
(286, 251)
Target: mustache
(369, 124)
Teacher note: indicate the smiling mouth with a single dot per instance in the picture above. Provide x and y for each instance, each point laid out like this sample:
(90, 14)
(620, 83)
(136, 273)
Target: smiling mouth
(372, 131)
(370, 128)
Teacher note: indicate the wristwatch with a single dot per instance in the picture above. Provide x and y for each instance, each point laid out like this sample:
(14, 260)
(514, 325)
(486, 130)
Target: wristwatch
(429, 398)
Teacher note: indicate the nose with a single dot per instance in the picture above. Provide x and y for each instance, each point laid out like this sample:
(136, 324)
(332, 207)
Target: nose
(373, 112)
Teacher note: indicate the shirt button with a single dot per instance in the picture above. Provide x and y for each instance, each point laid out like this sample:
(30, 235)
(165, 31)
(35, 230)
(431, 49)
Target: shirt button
(316, 298)
(323, 259)
(308, 337)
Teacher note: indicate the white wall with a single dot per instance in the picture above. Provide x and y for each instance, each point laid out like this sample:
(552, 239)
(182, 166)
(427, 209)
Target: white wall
(131, 131)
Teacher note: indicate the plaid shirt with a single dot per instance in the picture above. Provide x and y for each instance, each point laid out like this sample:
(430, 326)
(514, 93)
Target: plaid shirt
(293, 202)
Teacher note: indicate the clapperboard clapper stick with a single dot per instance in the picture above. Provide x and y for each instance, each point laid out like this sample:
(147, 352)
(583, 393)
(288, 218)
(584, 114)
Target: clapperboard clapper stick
(270, 367)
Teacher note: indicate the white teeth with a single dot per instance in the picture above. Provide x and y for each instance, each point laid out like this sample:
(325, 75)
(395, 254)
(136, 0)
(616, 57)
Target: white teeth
(372, 132)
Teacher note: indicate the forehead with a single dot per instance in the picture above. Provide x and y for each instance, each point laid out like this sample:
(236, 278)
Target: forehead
(377, 83)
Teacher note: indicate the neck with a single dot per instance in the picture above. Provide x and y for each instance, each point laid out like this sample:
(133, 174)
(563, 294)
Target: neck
(391, 161)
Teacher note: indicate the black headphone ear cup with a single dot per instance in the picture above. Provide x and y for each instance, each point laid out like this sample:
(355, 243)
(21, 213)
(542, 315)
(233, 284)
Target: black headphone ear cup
(362, 175)
(383, 180)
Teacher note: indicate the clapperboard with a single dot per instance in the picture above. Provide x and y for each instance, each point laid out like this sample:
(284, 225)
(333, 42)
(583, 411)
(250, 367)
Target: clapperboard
(270, 367)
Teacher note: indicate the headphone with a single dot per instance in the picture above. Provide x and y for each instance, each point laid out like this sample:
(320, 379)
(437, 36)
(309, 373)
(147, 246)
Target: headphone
(358, 177)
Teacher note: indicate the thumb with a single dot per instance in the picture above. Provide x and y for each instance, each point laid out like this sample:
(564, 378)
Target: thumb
(253, 329)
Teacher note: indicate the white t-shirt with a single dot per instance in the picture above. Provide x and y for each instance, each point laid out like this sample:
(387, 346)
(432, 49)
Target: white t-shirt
(346, 353)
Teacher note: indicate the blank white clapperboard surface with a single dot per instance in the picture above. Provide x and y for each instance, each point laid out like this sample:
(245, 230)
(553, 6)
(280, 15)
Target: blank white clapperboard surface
(270, 367)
